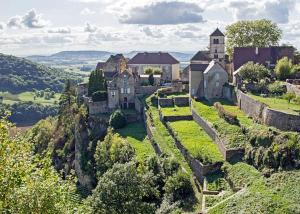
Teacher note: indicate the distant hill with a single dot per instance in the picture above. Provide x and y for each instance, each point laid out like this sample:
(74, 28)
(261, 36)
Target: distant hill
(19, 75)
(89, 57)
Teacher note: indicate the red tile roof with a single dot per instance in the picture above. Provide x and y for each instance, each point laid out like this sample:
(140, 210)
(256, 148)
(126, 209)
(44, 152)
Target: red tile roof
(153, 58)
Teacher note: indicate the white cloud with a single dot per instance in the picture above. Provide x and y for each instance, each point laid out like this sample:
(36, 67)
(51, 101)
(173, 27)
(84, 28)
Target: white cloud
(63, 30)
(30, 20)
(2, 26)
(86, 11)
(152, 33)
(164, 13)
(90, 28)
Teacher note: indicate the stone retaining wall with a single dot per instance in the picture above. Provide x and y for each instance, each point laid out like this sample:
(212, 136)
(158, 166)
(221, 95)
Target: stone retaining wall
(146, 90)
(228, 154)
(165, 102)
(266, 115)
(199, 169)
(181, 101)
(98, 107)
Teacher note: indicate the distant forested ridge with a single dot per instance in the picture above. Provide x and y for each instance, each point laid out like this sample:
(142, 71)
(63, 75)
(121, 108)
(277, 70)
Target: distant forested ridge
(19, 75)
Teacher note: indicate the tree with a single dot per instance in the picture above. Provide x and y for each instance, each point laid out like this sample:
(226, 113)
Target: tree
(29, 184)
(96, 82)
(121, 190)
(113, 149)
(254, 73)
(283, 68)
(148, 71)
(289, 96)
(151, 79)
(117, 120)
(257, 33)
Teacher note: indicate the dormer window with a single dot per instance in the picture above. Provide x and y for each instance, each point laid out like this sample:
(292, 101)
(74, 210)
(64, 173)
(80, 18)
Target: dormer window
(216, 41)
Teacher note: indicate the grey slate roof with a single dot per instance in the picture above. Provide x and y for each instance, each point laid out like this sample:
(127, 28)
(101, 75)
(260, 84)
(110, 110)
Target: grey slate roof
(217, 32)
(201, 56)
(153, 58)
(198, 67)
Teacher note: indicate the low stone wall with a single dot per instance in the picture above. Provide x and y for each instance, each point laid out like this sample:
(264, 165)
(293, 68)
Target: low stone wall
(138, 105)
(199, 169)
(293, 88)
(228, 154)
(249, 106)
(266, 115)
(181, 101)
(177, 118)
(146, 90)
(98, 107)
(165, 102)
(281, 120)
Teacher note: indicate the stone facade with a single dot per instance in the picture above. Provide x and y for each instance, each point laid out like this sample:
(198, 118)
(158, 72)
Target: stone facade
(114, 64)
(121, 91)
(293, 88)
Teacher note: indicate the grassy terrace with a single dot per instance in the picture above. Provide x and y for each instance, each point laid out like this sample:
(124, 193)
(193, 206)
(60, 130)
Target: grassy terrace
(278, 104)
(197, 142)
(135, 134)
(179, 94)
(167, 145)
(176, 111)
(10, 99)
(233, 133)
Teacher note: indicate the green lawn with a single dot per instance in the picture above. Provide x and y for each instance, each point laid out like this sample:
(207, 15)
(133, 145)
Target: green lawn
(278, 194)
(27, 96)
(278, 104)
(135, 134)
(233, 133)
(176, 111)
(197, 142)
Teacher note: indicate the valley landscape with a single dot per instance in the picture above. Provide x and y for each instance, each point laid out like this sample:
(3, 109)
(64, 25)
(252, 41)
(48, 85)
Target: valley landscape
(211, 128)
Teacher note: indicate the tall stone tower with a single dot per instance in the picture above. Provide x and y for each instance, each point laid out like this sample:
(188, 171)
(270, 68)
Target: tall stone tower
(217, 46)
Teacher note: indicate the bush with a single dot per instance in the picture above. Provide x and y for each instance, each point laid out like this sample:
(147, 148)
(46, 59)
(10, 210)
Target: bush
(151, 79)
(179, 186)
(289, 96)
(117, 120)
(276, 88)
(227, 116)
(99, 96)
(283, 68)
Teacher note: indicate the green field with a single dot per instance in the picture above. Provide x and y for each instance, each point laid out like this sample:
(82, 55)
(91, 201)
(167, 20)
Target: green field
(135, 134)
(197, 142)
(278, 194)
(278, 104)
(175, 111)
(233, 133)
(10, 99)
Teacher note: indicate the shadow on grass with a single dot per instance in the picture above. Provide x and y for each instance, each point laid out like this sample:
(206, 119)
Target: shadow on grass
(212, 101)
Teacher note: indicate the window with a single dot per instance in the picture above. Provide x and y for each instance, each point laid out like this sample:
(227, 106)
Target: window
(217, 76)
(216, 56)
(216, 51)
(205, 84)
(122, 90)
(193, 91)
(217, 84)
(113, 93)
(216, 41)
(128, 90)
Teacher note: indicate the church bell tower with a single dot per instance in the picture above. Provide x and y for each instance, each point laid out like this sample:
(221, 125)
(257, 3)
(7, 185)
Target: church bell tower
(217, 47)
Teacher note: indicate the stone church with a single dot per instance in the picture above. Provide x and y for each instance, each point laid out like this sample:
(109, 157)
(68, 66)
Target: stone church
(207, 74)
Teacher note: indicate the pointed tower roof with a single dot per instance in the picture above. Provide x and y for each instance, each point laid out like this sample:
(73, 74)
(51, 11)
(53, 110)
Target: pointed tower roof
(217, 32)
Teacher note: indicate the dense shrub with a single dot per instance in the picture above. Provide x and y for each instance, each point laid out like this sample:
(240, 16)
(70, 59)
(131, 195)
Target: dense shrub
(117, 120)
(96, 82)
(283, 69)
(276, 88)
(179, 186)
(227, 116)
(99, 96)
(151, 79)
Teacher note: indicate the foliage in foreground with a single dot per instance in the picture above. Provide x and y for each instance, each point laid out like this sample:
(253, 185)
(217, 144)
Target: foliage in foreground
(117, 120)
(29, 184)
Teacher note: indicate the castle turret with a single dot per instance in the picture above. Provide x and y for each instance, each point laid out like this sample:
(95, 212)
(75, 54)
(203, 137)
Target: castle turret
(217, 46)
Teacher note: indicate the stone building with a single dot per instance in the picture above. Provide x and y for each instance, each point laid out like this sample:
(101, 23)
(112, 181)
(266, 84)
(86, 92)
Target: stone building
(121, 90)
(114, 64)
(207, 74)
(163, 61)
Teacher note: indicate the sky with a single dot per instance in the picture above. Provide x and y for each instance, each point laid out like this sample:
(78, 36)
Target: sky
(29, 27)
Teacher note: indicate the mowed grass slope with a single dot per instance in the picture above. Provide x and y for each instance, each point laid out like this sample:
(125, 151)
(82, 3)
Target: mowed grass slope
(9, 98)
(176, 111)
(135, 134)
(197, 142)
(279, 104)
